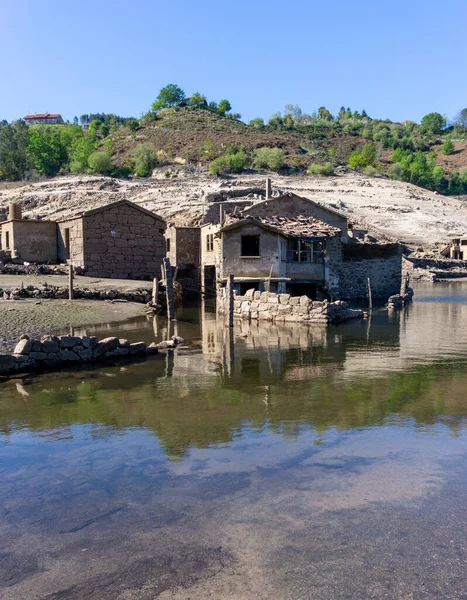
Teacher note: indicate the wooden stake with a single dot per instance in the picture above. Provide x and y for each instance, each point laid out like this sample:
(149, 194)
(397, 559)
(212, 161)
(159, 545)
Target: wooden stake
(70, 283)
(230, 300)
(370, 297)
(169, 289)
(155, 290)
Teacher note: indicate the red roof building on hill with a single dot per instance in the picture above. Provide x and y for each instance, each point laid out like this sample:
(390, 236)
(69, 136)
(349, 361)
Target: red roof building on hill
(44, 119)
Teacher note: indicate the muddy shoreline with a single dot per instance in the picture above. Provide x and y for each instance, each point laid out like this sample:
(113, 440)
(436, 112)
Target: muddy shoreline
(37, 318)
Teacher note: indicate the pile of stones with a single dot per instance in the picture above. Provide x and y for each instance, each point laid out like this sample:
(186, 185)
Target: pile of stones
(52, 351)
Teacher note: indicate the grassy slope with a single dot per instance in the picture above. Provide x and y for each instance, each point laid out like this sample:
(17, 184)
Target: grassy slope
(182, 132)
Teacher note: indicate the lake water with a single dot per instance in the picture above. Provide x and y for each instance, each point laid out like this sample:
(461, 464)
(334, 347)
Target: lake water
(275, 462)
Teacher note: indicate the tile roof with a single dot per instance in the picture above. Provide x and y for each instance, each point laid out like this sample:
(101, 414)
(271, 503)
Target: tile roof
(299, 226)
(42, 116)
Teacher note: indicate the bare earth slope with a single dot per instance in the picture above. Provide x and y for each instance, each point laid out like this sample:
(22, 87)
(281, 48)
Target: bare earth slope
(395, 209)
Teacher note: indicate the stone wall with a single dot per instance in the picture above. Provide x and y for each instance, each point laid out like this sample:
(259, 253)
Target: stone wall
(286, 308)
(60, 351)
(51, 292)
(76, 248)
(123, 242)
(348, 269)
(31, 241)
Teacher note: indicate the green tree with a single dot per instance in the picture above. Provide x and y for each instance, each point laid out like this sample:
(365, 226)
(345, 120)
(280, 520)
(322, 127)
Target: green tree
(324, 114)
(170, 95)
(224, 107)
(146, 160)
(13, 147)
(434, 122)
(363, 157)
(132, 124)
(101, 162)
(268, 158)
(257, 123)
(46, 150)
(447, 147)
(81, 150)
(294, 111)
(198, 100)
(461, 119)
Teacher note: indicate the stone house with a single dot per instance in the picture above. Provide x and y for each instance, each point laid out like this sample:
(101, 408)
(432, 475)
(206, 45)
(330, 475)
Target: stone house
(120, 240)
(457, 247)
(182, 246)
(290, 244)
(29, 240)
(279, 253)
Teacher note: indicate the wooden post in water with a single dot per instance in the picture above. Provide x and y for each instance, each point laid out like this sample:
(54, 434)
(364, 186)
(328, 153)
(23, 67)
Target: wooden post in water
(370, 297)
(70, 282)
(155, 290)
(169, 289)
(230, 300)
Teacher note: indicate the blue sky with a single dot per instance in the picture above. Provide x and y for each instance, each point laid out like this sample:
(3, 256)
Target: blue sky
(395, 59)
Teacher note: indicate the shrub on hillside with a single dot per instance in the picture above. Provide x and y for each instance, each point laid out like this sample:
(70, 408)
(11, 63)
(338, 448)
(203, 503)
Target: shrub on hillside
(325, 169)
(100, 162)
(363, 157)
(268, 158)
(132, 124)
(122, 172)
(370, 171)
(447, 147)
(233, 161)
(146, 160)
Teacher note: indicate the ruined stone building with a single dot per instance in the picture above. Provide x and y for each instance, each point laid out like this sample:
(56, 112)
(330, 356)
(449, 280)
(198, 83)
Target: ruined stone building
(29, 240)
(457, 248)
(289, 244)
(184, 253)
(120, 240)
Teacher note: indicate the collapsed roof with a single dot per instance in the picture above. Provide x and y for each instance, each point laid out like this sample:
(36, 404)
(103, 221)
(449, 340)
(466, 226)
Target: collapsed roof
(300, 226)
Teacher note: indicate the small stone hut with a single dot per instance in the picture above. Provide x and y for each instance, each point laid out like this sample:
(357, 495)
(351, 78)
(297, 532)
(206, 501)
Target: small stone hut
(30, 240)
(119, 240)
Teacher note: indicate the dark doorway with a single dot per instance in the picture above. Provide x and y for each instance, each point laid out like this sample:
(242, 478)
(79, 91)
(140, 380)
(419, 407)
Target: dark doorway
(210, 279)
(67, 243)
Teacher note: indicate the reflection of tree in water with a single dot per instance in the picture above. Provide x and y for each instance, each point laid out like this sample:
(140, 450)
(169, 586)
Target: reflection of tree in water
(286, 378)
(215, 411)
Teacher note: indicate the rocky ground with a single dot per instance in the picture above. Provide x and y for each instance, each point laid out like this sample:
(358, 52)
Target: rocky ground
(387, 208)
(39, 317)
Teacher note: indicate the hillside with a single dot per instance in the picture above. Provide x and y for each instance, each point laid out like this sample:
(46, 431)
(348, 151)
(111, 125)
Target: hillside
(183, 133)
(387, 208)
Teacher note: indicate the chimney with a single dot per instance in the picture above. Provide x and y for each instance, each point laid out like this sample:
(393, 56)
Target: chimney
(268, 188)
(14, 213)
(221, 214)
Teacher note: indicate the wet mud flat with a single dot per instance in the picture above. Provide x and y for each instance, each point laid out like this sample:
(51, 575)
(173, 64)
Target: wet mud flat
(39, 317)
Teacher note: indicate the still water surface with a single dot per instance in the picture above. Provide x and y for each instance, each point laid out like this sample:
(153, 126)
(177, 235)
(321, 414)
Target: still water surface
(277, 462)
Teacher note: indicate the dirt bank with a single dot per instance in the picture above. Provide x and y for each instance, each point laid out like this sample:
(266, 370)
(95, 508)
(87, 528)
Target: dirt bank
(46, 316)
(399, 210)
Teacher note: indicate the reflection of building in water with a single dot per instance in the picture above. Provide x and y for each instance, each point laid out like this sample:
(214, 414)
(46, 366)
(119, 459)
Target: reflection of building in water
(427, 332)
(265, 351)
